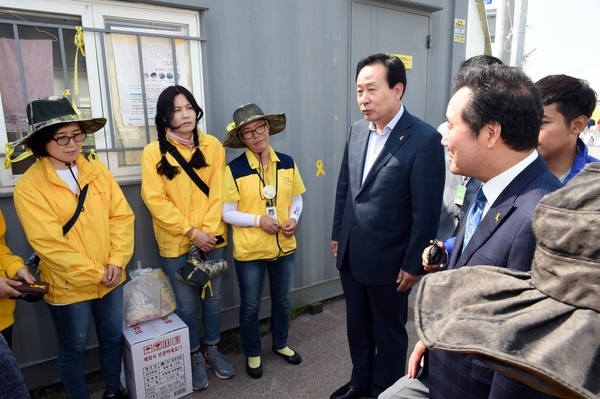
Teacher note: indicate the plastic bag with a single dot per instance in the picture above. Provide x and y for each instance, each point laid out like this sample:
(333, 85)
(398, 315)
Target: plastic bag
(147, 296)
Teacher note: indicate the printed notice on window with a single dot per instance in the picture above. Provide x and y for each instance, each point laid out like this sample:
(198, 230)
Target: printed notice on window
(158, 73)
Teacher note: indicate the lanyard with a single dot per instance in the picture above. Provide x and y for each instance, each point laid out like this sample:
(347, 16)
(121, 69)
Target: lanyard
(266, 188)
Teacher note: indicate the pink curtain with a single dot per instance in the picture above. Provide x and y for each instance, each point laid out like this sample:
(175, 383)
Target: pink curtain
(37, 65)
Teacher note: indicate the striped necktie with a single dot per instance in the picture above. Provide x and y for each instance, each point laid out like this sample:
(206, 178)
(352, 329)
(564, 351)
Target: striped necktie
(474, 216)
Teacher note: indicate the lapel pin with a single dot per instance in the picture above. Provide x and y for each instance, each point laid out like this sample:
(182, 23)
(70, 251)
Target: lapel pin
(497, 217)
(401, 138)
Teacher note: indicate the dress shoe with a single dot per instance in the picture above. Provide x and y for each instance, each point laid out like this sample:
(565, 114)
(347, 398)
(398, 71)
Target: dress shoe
(348, 391)
(294, 359)
(254, 372)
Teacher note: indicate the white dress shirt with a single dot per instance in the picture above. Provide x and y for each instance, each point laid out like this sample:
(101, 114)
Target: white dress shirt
(377, 141)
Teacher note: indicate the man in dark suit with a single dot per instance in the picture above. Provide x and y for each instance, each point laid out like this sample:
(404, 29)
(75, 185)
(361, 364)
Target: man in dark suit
(387, 209)
(459, 191)
(494, 119)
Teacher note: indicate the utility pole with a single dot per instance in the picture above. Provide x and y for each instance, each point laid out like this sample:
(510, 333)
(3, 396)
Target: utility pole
(501, 47)
(518, 36)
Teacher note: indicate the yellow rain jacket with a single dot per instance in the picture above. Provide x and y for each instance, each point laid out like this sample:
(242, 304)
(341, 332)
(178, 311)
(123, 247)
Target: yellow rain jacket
(74, 264)
(9, 265)
(178, 205)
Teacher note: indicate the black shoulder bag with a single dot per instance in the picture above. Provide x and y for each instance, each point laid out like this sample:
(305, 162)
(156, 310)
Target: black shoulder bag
(195, 178)
(33, 261)
(188, 169)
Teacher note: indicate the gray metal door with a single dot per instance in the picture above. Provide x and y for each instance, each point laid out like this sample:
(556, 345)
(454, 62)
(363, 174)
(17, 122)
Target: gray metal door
(396, 30)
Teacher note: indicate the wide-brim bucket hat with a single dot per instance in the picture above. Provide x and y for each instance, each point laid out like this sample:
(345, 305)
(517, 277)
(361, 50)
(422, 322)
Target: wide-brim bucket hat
(48, 111)
(540, 327)
(246, 114)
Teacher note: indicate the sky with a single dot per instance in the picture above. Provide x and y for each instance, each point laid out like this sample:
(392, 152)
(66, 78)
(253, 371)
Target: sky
(563, 37)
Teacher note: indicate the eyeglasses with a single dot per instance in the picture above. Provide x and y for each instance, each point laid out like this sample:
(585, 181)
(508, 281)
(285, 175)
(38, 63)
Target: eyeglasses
(64, 140)
(260, 129)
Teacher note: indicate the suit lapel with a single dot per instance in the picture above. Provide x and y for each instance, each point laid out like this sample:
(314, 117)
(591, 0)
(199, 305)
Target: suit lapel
(488, 225)
(393, 143)
(497, 213)
(358, 151)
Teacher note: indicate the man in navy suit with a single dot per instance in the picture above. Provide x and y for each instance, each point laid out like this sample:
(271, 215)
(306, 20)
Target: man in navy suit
(387, 208)
(494, 119)
(459, 191)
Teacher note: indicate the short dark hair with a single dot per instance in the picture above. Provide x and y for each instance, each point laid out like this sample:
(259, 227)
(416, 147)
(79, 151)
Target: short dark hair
(395, 70)
(573, 97)
(38, 141)
(482, 60)
(507, 96)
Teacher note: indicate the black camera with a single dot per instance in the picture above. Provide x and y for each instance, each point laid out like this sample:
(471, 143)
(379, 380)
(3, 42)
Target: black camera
(435, 253)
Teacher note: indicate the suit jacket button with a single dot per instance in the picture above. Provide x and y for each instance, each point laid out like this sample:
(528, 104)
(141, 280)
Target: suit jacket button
(356, 201)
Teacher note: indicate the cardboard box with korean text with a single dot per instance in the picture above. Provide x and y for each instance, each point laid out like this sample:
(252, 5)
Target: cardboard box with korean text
(157, 359)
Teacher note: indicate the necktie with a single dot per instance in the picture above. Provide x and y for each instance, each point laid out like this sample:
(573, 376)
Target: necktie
(474, 216)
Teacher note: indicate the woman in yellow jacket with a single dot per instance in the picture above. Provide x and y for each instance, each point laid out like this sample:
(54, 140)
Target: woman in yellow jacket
(86, 267)
(262, 200)
(11, 266)
(183, 214)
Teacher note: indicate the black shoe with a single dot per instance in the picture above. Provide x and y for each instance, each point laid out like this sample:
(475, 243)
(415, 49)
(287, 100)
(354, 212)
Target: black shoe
(254, 372)
(348, 391)
(117, 395)
(294, 359)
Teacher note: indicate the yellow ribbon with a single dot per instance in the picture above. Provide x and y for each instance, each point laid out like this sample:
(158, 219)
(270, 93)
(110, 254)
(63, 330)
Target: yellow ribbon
(209, 286)
(320, 170)
(231, 126)
(80, 46)
(92, 155)
(9, 151)
(67, 93)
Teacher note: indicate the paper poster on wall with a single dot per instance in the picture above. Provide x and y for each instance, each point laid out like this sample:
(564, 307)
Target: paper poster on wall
(459, 30)
(159, 73)
(407, 60)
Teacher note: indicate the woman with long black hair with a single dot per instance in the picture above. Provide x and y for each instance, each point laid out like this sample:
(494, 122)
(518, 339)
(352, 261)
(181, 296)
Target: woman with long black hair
(185, 213)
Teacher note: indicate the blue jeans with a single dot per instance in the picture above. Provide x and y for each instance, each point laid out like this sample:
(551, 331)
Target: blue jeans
(189, 301)
(72, 323)
(250, 278)
(12, 384)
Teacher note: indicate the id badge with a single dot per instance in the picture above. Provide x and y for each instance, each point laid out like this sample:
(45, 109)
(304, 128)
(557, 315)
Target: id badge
(272, 212)
(459, 199)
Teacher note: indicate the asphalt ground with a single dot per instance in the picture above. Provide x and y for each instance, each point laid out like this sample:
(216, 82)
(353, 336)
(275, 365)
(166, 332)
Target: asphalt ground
(319, 338)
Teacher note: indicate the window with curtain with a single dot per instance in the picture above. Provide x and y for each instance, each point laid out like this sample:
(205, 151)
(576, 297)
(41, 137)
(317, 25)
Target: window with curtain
(110, 60)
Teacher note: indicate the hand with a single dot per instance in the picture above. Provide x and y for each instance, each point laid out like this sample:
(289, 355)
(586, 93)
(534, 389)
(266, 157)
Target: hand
(270, 225)
(205, 241)
(432, 268)
(6, 290)
(416, 359)
(334, 249)
(24, 274)
(406, 280)
(289, 227)
(112, 276)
